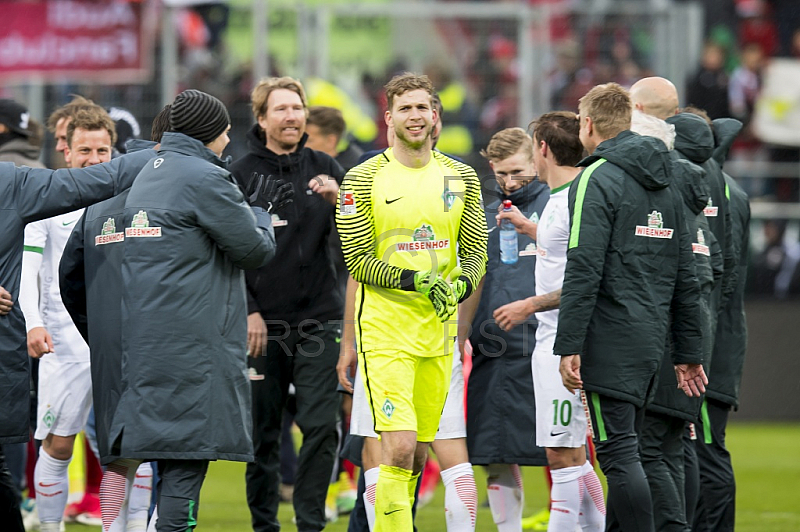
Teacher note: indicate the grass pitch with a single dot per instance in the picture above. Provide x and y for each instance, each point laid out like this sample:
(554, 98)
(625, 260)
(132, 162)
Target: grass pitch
(765, 458)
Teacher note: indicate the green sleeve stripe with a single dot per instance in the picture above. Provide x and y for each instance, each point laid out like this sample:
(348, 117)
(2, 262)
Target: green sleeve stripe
(35, 249)
(191, 522)
(575, 230)
(727, 191)
(706, 424)
(601, 427)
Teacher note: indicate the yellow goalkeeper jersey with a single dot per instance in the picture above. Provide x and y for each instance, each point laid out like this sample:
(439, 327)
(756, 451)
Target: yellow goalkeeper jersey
(393, 221)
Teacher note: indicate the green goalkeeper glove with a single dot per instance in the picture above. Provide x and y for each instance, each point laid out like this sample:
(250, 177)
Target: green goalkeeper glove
(462, 288)
(439, 291)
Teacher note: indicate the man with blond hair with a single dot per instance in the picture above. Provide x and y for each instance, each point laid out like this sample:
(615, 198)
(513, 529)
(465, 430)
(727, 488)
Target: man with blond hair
(294, 298)
(629, 261)
(405, 217)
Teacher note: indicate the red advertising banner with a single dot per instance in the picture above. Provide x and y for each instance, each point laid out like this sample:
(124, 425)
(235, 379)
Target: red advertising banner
(106, 41)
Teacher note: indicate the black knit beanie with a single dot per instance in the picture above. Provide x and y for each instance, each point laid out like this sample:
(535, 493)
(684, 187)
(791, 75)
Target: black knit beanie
(198, 115)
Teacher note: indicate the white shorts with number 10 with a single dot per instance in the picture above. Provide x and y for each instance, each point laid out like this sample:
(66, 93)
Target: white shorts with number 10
(560, 416)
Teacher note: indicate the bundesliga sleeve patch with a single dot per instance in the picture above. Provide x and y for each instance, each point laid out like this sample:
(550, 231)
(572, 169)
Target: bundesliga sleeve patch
(347, 204)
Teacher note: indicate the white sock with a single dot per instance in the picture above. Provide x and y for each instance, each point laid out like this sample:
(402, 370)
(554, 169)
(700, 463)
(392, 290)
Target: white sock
(460, 498)
(370, 483)
(151, 527)
(593, 506)
(140, 489)
(52, 487)
(565, 499)
(504, 488)
(114, 496)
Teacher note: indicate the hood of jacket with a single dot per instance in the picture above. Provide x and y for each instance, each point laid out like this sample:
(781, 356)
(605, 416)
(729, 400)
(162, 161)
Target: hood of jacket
(284, 163)
(690, 179)
(725, 132)
(21, 147)
(694, 138)
(138, 145)
(186, 145)
(646, 159)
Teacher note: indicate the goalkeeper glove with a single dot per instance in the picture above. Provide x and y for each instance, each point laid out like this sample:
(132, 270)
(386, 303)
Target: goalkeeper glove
(462, 288)
(438, 291)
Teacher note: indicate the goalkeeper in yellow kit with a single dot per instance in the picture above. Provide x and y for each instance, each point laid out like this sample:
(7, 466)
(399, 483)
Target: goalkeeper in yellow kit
(406, 217)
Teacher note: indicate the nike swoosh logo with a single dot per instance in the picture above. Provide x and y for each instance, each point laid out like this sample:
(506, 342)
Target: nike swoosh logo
(388, 201)
(557, 433)
(392, 511)
(68, 223)
(43, 485)
(492, 229)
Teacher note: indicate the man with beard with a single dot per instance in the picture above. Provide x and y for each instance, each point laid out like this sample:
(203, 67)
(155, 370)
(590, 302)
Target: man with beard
(405, 217)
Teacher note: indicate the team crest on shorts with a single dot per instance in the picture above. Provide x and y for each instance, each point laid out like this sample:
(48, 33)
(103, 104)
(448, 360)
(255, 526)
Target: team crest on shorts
(655, 227)
(140, 227)
(108, 234)
(48, 419)
(388, 408)
(700, 246)
(424, 239)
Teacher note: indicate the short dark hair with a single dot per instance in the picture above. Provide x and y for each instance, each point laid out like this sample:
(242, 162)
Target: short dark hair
(697, 111)
(160, 124)
(329, 120)
(405, 82)
(561, 131)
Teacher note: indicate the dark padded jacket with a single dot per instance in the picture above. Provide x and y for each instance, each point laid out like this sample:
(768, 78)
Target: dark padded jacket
(695, 141)
(730, 345)
(91, 289)
(27, 195)
(501, 414)
(689, 179)
(301, 282)
(629, 261)
(188, 235)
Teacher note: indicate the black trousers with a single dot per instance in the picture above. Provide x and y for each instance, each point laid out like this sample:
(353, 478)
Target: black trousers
(9, 499)
(661, 446)
(305, 357)
(179, 486)
(691, 474)
(716, 506)
(615, 424)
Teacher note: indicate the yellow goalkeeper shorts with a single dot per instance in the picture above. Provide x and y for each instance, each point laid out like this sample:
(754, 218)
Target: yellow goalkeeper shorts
(405, 391)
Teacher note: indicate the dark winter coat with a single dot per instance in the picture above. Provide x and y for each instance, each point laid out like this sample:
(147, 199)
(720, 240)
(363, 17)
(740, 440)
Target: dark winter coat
(695, 141)
(501, 414)
(27, 195)
(730, 345)
(300, 283)
(629, 261)
(689, 179)
(91, 289)
(188, 234)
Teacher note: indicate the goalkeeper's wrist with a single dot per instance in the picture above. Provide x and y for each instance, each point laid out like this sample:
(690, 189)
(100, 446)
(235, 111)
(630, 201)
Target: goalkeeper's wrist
(407, 280)
(468, 291)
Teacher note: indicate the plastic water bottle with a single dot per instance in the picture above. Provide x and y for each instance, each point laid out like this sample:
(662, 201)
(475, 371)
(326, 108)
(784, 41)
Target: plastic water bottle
(509, 246)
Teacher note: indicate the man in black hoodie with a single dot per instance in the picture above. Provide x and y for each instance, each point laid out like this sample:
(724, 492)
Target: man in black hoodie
(295, 298)
(629, 260)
